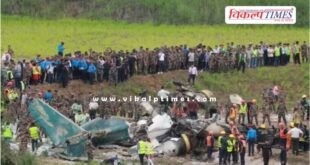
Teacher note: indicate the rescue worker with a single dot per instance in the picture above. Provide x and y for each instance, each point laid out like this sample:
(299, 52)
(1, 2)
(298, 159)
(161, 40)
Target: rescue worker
(242, 112)
(36, 73)
(266, 151)
(142, 149)
(242, 149)
(251, 138)
(7, 133)
(231, 143)
(262, 134)
(210, 144)
(233, 129)
(296, 116)
(34, 135)
(283, 155)
(89, 148)
(222, 145)
(305, 107)
(295, 133)
(233, 113)
(282, 110)
(266, 112)
(150, 152)
(253, 112)
(282, 135)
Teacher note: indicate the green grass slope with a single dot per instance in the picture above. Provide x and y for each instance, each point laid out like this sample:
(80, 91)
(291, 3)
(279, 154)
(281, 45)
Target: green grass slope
(293, 80)
(29, 36)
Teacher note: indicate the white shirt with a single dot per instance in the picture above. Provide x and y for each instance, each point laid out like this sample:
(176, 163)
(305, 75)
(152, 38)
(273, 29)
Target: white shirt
(191, 57)
(270, 52)
(163, 93)
(295, 132)
(93, 105)
(192, 70)
(161, 56)
(6, 57)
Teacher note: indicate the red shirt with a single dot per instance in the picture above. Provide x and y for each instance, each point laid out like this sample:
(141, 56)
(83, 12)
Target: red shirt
(192, 106)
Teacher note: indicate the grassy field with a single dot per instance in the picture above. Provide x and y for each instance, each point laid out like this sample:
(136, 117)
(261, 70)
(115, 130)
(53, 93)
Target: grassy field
(30, 36)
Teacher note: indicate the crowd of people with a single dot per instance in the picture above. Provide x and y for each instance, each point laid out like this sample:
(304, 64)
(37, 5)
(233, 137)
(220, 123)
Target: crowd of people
(19, 79)
(115, 67)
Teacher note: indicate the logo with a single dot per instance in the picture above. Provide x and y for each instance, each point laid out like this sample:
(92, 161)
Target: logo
(260, 15)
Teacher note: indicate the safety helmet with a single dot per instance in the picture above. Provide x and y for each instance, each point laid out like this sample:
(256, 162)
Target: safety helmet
(304, 96)
(292, 124)
(223, 132)
(231, 136)
(262, 126)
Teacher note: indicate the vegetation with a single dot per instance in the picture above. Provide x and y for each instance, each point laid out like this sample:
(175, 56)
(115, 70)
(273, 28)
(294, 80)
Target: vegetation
(9, 157)
(29, 36)
(293, 80)
(158, 11)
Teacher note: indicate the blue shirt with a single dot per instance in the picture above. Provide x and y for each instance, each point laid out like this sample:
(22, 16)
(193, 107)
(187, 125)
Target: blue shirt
(43, 65)
(91, 68)
(48, 96)
(83, 65)
(60, 48)
(47, 63)
(75, 63)
(251, 134)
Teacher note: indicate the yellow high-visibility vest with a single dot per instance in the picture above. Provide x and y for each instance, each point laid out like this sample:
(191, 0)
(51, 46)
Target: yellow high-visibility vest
(7, 133)
(230, 145)
(34, 132)
(36, 70)
(150, 149)
(23, 86)
(243, 108)
(142, 147)
(277, 51)
(219, 144)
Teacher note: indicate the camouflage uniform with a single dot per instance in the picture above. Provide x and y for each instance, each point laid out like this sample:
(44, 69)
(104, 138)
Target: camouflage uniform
(281, 112)
(145, 62)
(266, 112)
(89, 150)
(253, 113)
(113, 76)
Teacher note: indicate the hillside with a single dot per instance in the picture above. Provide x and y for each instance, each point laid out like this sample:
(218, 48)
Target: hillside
(293, 80)
(29, 36)
(158, 12)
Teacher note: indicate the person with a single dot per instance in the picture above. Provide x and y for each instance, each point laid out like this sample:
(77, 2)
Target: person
(142, 149)
(296, 52)
(91, 72)
(34, 135)
(231, 142)
(277, 54)
(161, 56)
(48, 96)
(266, 151)
(262, 134)
(192, 73)
(163, 95)
(266, 111)
(233, 113)
(251, 138)
(193, 108)
(61, 48)
(93, 107)
(242, 112)
(305, 106)
(80, 118)
(253, 110)
(233, 129)
(36, 73)
(50, 73)
(7, 132)
(283, 155)
(191, 57)
(304, 52)
(210, 144)
(282, 110)
(242, 149)
(282, 134)
(296, 116)
(295, 133)
(222, 145)
(242, 61)
(89, 148)
(64, 74)
(149, 152)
